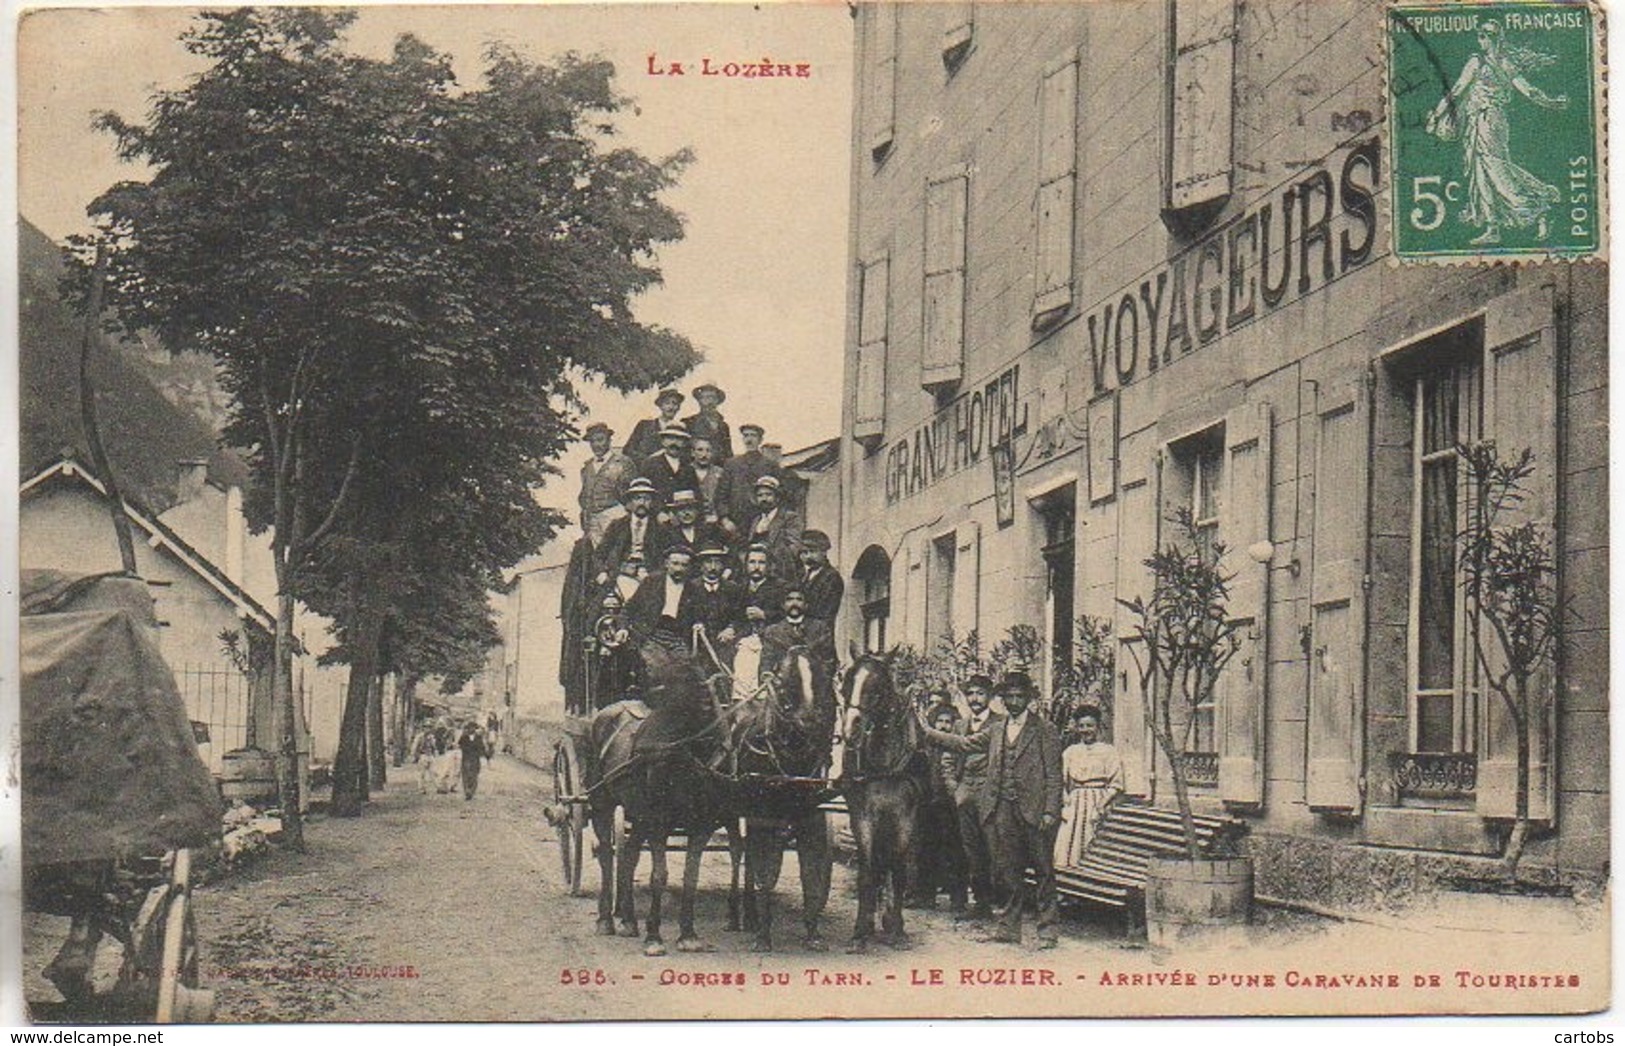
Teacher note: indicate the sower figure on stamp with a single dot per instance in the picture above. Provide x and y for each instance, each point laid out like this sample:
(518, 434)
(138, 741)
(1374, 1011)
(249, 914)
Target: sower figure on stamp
(1021, 804)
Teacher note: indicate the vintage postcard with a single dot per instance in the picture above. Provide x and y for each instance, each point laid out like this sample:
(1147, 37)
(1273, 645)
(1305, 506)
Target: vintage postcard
(554, 513)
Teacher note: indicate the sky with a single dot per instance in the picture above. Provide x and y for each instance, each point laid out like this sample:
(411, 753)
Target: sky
(758, 282)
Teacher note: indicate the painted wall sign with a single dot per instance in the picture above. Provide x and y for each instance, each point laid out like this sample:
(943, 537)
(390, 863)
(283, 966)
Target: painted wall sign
(957, 436)
(1318, 228)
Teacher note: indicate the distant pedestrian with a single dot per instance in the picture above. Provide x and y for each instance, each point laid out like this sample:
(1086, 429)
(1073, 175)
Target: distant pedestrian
(425, 751)
(475, 748)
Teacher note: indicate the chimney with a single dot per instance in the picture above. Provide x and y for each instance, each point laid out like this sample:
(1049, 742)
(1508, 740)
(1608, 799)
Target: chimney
(190, 475)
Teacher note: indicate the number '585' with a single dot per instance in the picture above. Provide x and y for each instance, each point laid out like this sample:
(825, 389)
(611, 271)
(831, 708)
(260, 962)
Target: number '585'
(1428, 212)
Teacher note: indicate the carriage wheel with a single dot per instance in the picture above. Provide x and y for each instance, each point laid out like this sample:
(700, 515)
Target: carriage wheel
(573, 822)
(180, 999)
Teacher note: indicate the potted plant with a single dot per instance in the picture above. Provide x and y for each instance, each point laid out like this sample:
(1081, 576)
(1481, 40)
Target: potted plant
(1508, 576)
(1185, 638)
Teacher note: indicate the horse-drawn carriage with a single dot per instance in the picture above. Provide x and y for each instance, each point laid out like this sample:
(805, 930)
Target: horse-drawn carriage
(114, 796)
(678, 756)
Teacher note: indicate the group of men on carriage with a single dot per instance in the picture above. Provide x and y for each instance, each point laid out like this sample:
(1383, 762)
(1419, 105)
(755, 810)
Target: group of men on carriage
(692, 547)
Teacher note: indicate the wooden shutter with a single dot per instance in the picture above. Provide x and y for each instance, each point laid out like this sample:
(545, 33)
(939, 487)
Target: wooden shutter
(1139, 513)
(942, 361)
(1520, 401)
(1244, 521)
(912, 630)
(869, 414)
(967, 582)
(1337, 600)
(1202, 92)
(1057, 186)
(880, 101)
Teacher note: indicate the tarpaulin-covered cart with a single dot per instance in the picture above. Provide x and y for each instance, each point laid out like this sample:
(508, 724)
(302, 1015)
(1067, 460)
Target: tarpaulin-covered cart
(114, 795)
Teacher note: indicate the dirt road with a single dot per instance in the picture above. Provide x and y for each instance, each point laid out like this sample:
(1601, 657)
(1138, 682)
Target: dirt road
(428, 907)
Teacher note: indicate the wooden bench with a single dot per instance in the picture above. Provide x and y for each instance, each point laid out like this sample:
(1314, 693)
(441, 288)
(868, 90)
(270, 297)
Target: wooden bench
(1112, 872)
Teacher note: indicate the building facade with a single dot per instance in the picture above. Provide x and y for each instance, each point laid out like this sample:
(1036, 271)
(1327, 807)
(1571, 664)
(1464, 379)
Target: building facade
(1114, 260)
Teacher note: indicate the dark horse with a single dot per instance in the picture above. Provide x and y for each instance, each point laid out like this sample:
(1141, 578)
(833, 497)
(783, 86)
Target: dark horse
(780, 752)
(655, 765)
(883, 775)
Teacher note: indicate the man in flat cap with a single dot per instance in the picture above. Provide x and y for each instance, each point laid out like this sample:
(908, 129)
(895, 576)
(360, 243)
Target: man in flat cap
(636, 532)
(820, 581)
(736, 491)
(776, 527)
(1020, 803)
(603, 482)
(645, 438)
(668, 468)
(708, 422)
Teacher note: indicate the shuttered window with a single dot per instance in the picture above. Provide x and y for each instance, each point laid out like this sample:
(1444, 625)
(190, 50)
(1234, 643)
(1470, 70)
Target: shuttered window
(1057, 190)
(1337, 599)
(1201, 99)
(1520, 404)
(880, 77)
(967, 583)
(1244, 513)
(1138, 533)
(942, 361)
(869, 413)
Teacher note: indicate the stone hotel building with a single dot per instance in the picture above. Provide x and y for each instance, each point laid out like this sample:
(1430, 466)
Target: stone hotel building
(1114, 259)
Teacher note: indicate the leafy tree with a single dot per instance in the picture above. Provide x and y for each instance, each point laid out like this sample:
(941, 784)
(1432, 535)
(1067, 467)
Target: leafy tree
(1509, 578)
(1186, 638)
(397, 274)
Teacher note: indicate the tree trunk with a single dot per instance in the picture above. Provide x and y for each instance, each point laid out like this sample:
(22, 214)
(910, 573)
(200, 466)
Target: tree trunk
(287, 763)
(350, 764)
(375, 733)
(1520, 824)
(405, 712)
(1182, 794)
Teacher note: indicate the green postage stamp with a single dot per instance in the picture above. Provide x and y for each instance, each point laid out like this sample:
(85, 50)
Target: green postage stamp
(1496, 131)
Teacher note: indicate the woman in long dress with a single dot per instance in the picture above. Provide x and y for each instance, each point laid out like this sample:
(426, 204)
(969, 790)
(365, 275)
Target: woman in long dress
(1092, 777)
(1499, 191)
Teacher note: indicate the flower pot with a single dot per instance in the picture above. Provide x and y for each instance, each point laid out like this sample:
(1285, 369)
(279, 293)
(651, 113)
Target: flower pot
(1185, 898)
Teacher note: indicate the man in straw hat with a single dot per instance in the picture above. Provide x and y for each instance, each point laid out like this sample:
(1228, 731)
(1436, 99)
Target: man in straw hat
(668, 468)
(636, 532)
(709, 422)
(645, 439)
(686, 526)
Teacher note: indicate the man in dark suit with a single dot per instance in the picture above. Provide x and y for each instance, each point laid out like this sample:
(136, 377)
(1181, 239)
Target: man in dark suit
(761, 600)
(660, 612)
(736, 490)
(714, 600)
(668, 468)
(820, 581)
(796, 629)
(645, 438)
(1021, 797)
(685, 508)
(777, 528)
(970, 773)
(708, 422)
(637, 531)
